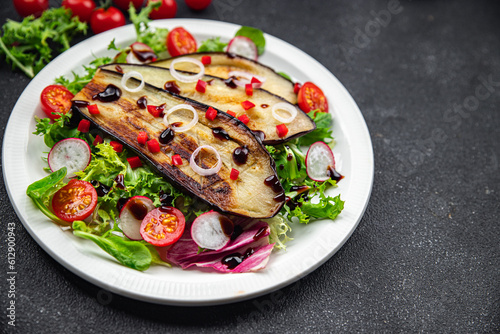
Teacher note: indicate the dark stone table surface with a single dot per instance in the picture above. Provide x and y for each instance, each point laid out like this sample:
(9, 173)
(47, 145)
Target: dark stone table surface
(425, 256)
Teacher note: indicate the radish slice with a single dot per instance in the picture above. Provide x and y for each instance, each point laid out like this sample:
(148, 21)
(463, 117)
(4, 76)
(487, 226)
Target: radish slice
(129, 75)
(202, 171)
(72, 153)
(140, 53)
(132, 59)
(184, 127)
(132, 214)
(286, 107)
(243, 46)
(247, 78)
(184, 77)
(212, 230)
(319, 161)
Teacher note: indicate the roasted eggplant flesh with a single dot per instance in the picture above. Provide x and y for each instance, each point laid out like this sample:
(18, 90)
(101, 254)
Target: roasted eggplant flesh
(224, 96)
(223, 63)
(123, 118)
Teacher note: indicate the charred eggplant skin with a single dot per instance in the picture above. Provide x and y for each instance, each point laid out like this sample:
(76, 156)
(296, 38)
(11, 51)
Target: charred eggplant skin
(216, 191)
(302, 124)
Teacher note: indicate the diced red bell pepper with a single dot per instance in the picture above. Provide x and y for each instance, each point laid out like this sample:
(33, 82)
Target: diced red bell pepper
(234, 174)
(153, 146)
(255, 81)
(84, 126)
(201, 86)
(232, 113)
(247, 105)
(281, 130)
(98, 140)
(211, 113)
(93, 109)
(206, 60)
(296, 87)
(134, 162)
(249, 89)
(116, 146)
(176, 160)
(142, 137)
(244, 118)
(156, 111)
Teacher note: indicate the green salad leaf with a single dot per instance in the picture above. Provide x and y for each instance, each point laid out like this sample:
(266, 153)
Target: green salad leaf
(322, 132)
(256, 35)
(212, 45)
(154, 37)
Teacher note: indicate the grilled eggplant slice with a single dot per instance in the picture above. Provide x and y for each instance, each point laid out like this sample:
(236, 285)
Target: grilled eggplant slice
(222, 63)
(252, 194)
(227, 97)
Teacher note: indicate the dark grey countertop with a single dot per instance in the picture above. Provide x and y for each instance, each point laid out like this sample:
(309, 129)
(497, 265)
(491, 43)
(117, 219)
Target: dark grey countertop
(426, 255)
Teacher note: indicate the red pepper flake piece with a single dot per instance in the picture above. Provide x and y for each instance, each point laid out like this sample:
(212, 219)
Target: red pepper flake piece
(84, 126)
(232, 113)
(244, 118)
(93, 109)
(98, 140)
(201, 86)
(249, 89)
(247, 105)
(234, 174)
(116, 146)
(211, 113)
(153, 146)
(281, 130)
(142, 137)
(206, 60)
(176, 160)
(134, 162)
(255, 81)
(296, 87)
(156, 111)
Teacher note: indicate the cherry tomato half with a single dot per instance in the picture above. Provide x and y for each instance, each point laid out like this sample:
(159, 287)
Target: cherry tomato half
(180, 42)
(106, 19)
(124, 4)
(311, 97)
(167, 10)
(163, 226)
(31, 7)
(198, 4)
(81, 8)
(55, 98)
(75, 201)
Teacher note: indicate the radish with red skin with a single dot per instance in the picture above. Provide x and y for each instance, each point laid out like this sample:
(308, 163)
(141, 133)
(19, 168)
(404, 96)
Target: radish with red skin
(243, 46)
(140, 53)
(319, 161)
(72, 153)
(132, 214)
(212, 230)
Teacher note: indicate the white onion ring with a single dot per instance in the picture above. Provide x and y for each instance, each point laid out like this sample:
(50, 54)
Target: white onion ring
(183, 77)
(129, 75)
(202, 171)
(287, 107)
(248, 78)
(184, 127)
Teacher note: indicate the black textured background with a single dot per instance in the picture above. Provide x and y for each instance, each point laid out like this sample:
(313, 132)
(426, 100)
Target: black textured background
(426, 255)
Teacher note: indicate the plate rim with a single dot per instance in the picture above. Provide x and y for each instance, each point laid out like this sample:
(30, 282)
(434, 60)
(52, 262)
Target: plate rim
(200, 301)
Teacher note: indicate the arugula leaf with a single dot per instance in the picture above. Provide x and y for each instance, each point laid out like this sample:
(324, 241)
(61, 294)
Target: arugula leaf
(212, 45)
(154, 37)
(27, 45)
(256, 35)
(41, 192)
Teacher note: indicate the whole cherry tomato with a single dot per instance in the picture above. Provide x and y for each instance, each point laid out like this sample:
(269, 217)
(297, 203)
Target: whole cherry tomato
(180, 42)
(81, 8)
(167, 10)
(106, 19)
(55, 98)
(31, 7)
(311, 97)
(124, 4)
(198, 4)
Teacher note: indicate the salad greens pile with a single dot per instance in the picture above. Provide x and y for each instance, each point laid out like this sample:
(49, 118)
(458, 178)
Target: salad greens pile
(307, 200)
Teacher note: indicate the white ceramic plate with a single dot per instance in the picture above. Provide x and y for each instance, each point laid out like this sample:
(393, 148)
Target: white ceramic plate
(313, 244)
